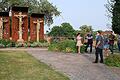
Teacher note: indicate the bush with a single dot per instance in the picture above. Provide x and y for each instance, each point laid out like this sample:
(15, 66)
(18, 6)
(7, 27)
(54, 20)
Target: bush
(8, 43)
(19, 45)
(39, 44)
(63, 46)
(5, 43)
(82, 48)
(53, 47)
(113, 60)
(2, 45)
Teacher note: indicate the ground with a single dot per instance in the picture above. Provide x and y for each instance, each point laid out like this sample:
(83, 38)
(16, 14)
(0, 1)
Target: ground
(75, 66)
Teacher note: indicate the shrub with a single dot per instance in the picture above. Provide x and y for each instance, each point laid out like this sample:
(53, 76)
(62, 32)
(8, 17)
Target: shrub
(39, 44)
(9, 45)
(13, 44)
(2, 45)
(5, 43)
(82, 48)
(53, 47)
(63, 46)
(113, 60)
(18, 45)
(25, 45)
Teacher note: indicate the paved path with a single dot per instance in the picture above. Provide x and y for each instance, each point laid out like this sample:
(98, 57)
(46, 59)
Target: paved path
(22, 49)
(77, 67)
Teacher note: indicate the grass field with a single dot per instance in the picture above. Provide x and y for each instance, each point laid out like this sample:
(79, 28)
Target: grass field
(18, 65)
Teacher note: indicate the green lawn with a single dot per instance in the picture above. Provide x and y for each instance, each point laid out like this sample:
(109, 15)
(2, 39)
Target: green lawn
(18, 65)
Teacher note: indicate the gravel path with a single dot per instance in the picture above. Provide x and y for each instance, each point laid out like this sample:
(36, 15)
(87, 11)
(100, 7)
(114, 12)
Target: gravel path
(76, 67)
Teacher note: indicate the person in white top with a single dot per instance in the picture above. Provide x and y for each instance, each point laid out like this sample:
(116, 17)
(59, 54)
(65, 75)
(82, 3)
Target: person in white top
(79, 43)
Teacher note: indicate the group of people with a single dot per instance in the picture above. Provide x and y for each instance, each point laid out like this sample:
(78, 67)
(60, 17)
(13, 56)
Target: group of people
(102, 42)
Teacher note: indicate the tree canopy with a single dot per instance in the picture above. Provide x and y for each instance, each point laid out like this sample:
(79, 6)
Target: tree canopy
(113, 7)
(85, 29)
(64, 30)
(116, 17)
(35, 6)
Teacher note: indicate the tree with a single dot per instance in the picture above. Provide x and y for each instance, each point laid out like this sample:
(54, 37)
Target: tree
(64, 30)
(56, 31)
(35, 6)
(68, 30)
(116, 17)
(85, 29)
(113, 8)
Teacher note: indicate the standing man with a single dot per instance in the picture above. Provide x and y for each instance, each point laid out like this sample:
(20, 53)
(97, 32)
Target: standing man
(111, 41)
(89, 38)
(99, 47)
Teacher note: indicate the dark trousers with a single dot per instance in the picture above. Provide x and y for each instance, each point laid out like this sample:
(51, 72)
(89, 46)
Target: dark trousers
(87, 45)
(111, 48)
(97, 53)
(119, 46)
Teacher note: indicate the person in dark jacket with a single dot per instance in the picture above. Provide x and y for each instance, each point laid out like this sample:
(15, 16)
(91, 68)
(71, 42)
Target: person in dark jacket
(89, 38)
(111, 41)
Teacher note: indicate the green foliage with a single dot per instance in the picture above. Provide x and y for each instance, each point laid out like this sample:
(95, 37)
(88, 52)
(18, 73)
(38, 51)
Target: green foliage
(8, 43)
(56, 31)
(5, 43)
(63, 46)
(85, 29)
(35, 6)
(18, 45)
(65, 30)
(113, 60)
(39, 44)
(68, 30)
(82, 48)
(53, 47)
(116, 17)
(94, 34)
(2, 45)
(113, 8)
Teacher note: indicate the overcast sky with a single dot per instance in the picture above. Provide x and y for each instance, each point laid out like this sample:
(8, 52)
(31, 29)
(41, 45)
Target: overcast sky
(82, 12)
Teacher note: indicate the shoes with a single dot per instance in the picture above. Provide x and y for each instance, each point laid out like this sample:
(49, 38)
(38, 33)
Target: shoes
(101, 62)
(95, 62)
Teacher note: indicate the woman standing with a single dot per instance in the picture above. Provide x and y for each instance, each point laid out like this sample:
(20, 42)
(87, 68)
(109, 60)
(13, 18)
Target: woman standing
(79, 43)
